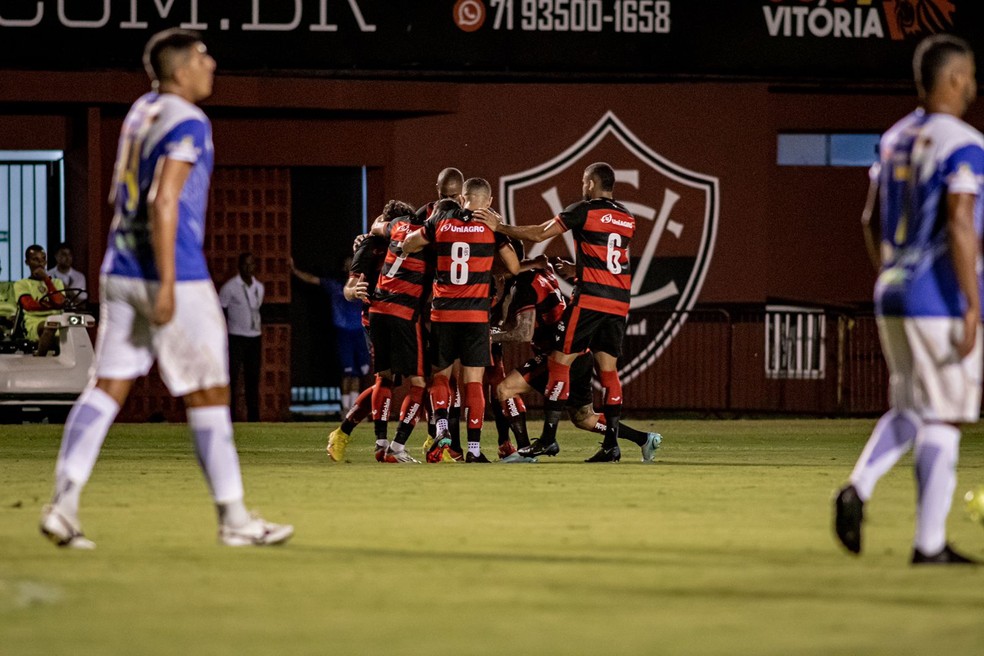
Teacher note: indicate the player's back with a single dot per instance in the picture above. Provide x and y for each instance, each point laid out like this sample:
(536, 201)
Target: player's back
(924, 158)
(158, 126)
(465, 251)
(405, 278)
(602, 229)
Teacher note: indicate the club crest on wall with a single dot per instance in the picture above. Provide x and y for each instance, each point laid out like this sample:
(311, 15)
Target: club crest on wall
(676, 212)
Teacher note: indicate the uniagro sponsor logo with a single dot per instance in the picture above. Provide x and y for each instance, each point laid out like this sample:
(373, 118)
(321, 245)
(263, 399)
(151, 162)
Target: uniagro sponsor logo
(676, 217)
(858, 19)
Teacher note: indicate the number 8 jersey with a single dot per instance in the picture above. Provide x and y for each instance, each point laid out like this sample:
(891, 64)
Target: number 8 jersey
(602, 229)
(465, 251)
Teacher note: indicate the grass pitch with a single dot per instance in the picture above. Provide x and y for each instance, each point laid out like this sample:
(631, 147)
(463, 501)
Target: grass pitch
(722, 547)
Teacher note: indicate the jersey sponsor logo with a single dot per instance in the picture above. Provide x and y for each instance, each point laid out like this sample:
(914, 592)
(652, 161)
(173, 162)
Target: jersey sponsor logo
(453, 228)
(676, 222)
(608, 218)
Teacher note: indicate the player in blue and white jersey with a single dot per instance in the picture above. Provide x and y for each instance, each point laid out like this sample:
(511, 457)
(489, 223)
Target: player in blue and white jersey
(928, 187)
(157, 298)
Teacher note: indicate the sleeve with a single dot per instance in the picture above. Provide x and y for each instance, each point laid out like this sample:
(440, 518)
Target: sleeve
(430, 229)
(362, 258)
(262, 291)
(525, 297)
(501, 241)
(186, 141)
(573, 216)
(964, 170)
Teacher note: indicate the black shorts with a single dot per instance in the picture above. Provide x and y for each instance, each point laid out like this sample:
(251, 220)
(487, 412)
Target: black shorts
(468, 342)
(581, 329)
(398, 345)
(534, 371)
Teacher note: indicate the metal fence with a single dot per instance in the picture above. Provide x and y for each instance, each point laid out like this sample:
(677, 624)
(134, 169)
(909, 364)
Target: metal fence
(760, 360)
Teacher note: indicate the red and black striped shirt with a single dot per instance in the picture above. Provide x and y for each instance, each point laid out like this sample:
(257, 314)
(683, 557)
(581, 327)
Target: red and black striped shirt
(404, 282)
(539, 291)
(602, 229)
(465, 251)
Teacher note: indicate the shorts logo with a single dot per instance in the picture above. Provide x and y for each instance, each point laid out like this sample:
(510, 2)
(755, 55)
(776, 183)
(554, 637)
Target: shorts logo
(676, 218)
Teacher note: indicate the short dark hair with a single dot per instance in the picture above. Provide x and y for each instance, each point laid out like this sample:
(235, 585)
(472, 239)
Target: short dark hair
(243, 257)
(605, 174)
(63, 245)
(932, 55)
(476, 187)
(33, 248)
(394, 209)
(449, 182)
(158, 56)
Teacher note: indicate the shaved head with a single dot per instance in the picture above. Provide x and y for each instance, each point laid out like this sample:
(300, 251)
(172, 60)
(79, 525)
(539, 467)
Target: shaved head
(449, 183)
(603, 173)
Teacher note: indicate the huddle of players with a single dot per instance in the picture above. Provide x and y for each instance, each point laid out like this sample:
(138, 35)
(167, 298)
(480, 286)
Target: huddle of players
(454, 265)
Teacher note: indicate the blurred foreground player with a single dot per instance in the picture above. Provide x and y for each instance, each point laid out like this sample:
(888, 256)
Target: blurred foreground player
(927, 186)
(158, 300)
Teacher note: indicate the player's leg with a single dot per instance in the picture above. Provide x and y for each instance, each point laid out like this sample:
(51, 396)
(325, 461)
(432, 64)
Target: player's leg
(510, 402)
(585, 418)
(410, 413)
(123, 353)
(474, 354)
(893, 436)
(444, 349)
(251, 375)
(612, 404)
(406, 341)
(85, 429)
(191, 352)
(454, 410)
(237, 358)
(359, 410)
(952, 393)
(494, 374)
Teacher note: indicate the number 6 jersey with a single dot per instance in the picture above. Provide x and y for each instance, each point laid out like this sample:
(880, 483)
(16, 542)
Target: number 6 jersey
(602, 229)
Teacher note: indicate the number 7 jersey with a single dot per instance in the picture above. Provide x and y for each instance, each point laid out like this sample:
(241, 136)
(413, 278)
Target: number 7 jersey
(602, 229)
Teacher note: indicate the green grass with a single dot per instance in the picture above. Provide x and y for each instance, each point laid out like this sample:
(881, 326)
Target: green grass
(722, 547)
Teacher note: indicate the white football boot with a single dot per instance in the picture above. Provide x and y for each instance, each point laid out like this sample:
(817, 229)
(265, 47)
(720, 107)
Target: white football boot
(63, 530)
(257, 532)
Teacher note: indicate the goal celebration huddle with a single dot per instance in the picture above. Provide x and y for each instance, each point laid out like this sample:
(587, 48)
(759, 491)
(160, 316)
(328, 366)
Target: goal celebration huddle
(445, 286)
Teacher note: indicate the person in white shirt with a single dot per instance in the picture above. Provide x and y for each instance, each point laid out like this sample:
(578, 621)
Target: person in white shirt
(241, 298)
(63, 270)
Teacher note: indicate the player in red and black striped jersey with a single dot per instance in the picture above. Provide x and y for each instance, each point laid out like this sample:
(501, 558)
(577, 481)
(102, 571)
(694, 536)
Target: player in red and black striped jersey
(397, 332)
(460, 311)
(597, 315)
(367, 260)
(535, 310)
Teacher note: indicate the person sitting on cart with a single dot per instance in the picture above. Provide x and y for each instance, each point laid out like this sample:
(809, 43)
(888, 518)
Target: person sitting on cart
(39, 296)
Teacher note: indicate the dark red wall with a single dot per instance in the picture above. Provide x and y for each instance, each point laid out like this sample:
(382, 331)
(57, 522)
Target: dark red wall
(788, 233)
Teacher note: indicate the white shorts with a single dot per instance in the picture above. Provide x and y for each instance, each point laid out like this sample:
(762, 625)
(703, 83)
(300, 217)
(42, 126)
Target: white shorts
(191, 350)
(927, 376)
